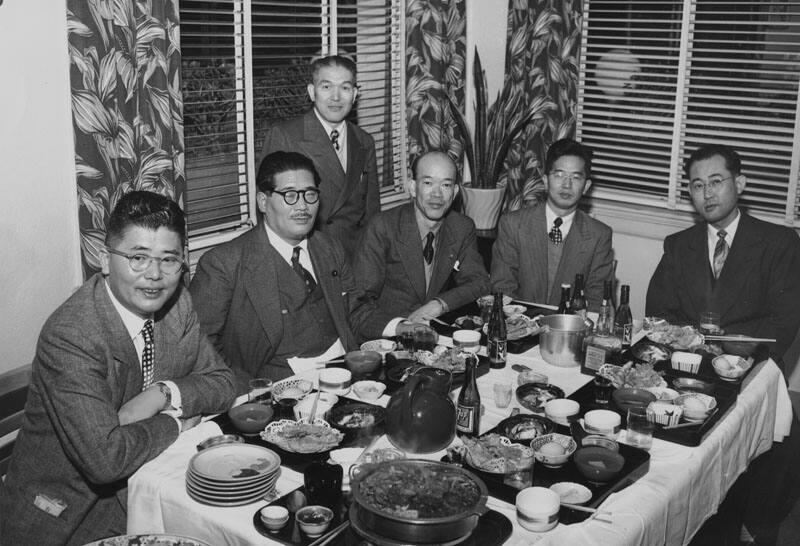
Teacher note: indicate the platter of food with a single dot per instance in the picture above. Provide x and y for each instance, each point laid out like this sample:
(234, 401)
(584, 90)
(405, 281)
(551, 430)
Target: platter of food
(496, 454)
(469, 322)
(451, 359)
(300, 437)
(635, 376)
(534, 396)
(148, 540)
(679, 338)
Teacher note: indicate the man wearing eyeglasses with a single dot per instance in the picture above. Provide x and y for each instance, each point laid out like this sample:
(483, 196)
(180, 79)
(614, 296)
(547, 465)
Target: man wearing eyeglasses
(343, 154)
(745, 269)
(279, 298)
(540, 248)
(120, 369)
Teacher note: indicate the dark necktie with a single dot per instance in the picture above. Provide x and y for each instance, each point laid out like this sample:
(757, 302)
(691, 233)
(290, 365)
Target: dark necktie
(335, 139)
(555, 232)
(304, 274)
(148, 354)
(720, 253)
(427, 252)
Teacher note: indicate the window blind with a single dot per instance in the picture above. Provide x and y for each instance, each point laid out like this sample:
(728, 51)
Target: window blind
(660, 78)
(256, 55)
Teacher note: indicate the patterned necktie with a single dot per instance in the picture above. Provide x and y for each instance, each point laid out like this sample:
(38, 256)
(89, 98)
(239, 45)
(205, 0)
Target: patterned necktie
(148, 354)
(555, 233)
(720, 253)
(304, 274)
(427, 252)
(335, 139)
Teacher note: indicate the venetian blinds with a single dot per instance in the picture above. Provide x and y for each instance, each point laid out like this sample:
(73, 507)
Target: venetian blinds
(660, 78)
(246, 66)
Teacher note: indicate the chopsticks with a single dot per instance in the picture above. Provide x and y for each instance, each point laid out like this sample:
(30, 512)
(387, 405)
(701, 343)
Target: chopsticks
(600, 515)
(694, 423)
(541, 305)
(333, 534)
(314, 408)
(741, 338)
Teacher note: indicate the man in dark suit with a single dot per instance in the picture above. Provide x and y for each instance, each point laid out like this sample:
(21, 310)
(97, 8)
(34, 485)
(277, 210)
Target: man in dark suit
(540, 248)
(420, 259)
(119, 369)
(745, 269)
(343, 154)
(281, 290)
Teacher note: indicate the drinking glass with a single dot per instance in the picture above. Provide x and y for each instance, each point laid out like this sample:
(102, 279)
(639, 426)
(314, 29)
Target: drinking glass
(640, 429)
(602, 390)
(502, 393)
(710, 323)
(519, 473)
(424, 338)
(260, 391)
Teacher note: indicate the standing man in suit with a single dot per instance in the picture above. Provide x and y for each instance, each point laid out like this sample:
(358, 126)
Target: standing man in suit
(540, 248)
(421, 259)
(745, 269)
(281, 290)
(343, 154)
(120, 369)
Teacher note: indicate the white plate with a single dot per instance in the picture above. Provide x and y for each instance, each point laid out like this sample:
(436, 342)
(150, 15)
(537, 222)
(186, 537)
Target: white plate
(235, 462)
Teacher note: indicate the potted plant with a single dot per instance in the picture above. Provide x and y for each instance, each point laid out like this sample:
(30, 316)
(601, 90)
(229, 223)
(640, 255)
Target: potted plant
(487, 146)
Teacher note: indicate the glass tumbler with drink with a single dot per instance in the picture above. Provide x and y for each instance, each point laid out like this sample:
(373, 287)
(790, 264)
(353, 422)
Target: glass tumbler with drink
(640, 429)
(260, 391)
(424, 338)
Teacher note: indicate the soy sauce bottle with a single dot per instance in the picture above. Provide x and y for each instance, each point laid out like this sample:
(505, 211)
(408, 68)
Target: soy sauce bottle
(578, 302)
(624, 318)
(468, 410)
(496, 334)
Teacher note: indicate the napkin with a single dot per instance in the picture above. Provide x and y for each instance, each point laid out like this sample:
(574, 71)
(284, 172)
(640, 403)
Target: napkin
(300, 365)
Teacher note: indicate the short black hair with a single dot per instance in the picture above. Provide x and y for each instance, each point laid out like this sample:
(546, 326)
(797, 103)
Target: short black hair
(280, 162)
(417, 159)
(148, 210)
(568, 146)
(732, 160)
(331, 61)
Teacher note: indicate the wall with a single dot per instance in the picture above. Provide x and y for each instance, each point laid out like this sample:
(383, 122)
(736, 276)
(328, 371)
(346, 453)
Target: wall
(38, 212)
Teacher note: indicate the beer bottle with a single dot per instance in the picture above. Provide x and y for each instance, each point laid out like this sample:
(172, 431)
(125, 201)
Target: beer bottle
(624, 318)
(578, 302)
(496, 334)
(563, 307)
(468, 411)
(605, 321)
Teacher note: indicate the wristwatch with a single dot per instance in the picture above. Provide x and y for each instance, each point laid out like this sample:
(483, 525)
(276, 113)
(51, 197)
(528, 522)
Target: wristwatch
(167, 394)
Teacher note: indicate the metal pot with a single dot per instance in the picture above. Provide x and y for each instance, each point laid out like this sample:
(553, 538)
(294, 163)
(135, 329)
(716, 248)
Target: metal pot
(561, 340)
(409, 530)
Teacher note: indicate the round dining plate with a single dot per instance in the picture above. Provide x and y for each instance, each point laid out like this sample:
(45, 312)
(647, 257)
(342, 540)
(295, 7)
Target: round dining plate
(235, 462)
(148, 540)
(215, 500)
(229, 489)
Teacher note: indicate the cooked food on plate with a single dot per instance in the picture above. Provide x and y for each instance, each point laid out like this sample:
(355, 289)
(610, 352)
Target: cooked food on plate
(678, 337)
(302, 437)
(450, 359)
(469, 322)
(650, 352)
(496, 454)
(633, 375)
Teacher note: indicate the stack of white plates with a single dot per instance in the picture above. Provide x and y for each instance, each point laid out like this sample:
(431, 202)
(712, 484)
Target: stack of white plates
(232, 474)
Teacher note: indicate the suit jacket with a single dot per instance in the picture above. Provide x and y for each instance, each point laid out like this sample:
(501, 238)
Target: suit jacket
(71, 446)
(519, 257)
(389, 269)
(757, 293)
(238, 302)
(348, 200)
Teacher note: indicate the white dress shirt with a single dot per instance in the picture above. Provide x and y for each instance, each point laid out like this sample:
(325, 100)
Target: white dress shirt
(730, 232)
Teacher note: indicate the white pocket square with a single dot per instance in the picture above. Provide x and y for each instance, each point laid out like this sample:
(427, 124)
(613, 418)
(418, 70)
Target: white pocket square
(457, 265)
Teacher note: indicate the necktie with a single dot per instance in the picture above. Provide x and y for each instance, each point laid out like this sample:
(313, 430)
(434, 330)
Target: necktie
(427, 252)
(720, 253)
(555, 232)
(335, 139)
(148, 354)
(302, 271)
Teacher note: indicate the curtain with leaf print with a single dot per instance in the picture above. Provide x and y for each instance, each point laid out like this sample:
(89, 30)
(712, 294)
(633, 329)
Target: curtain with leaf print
(435, 62)
(126, 108)
(542, 56)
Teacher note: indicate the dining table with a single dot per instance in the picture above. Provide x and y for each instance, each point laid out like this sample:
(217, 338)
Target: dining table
(682, 488)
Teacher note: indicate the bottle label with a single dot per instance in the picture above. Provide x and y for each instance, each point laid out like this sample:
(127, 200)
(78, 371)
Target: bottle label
(627, 333)
(595, 357)
(496, 349)
(465, 419)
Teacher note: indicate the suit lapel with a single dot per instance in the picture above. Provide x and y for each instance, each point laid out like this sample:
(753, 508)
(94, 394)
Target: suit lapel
(317, 144)
(444, 262)
(260, 278)
(328, 279)
(409, 245)
(737, 265)
(355, 166)
(698, 280)
(535, 231)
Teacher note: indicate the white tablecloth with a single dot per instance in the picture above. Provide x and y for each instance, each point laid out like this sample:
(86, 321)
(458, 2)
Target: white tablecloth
(683, 487)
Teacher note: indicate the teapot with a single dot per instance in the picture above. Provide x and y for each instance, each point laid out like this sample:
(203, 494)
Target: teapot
(420, 417)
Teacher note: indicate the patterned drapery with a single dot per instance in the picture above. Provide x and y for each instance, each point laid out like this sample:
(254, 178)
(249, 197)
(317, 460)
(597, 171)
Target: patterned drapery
(542, 57)
(126, 107)
(435, 62)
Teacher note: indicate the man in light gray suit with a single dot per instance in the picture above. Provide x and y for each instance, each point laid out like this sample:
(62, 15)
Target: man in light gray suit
(120, 369)
(540, 248)
(343, 154)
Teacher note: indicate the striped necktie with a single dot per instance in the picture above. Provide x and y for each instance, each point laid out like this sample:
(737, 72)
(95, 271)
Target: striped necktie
(720, 253)
(148, 354)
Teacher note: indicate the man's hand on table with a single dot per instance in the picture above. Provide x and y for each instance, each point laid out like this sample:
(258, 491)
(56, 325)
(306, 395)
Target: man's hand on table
(142, 406)
(430, 310)
(407, 327)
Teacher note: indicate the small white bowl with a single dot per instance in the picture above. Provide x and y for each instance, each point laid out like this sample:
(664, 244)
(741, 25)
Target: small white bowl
(274, 517)
(572, 493)
(335, 380)
(605, 422)
(561, 409)
(699, 410)
(369, 390)
(537, 508)
(314, 520)
(730, 367)
(381, 346)
(686, 362)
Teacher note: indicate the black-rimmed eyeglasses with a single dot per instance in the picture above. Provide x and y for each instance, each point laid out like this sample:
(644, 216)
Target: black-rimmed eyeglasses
(290, 197)
(140, 262)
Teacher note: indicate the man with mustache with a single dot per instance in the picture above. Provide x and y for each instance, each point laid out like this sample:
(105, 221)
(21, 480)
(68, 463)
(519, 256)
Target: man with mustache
(343, 154)
(540, 248)
(120, 369)
(420, 259)
(745, 269)
(280, 295)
